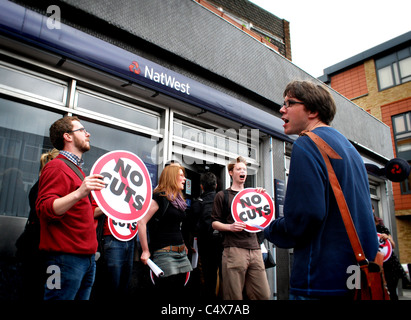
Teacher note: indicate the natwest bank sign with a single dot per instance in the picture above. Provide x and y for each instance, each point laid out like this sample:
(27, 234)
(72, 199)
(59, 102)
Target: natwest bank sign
(161, 77)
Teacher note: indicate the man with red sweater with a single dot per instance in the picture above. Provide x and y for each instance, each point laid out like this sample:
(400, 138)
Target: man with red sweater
(67, 224)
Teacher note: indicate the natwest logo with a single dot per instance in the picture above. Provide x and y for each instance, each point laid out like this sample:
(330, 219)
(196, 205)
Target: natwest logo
(161, 78)
(133, 67)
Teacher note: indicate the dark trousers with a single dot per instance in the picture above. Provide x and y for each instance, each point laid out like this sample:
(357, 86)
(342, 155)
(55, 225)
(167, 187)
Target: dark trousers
(210, 251)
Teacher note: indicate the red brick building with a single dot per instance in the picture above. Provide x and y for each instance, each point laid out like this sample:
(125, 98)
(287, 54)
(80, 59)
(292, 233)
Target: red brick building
(379, 81)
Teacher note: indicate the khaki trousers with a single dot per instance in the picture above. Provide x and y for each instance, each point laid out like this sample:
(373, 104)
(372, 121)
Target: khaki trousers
(244, 268)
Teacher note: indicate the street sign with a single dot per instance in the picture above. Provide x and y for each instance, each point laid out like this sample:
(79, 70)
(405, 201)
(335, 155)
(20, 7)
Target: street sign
(397, 170)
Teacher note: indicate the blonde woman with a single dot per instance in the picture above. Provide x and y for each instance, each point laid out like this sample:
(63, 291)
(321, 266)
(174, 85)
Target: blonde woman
(163, 221)
(28, 243)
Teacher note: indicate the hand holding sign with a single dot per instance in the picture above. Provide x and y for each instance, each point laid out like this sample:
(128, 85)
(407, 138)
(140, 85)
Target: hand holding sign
(90, 183)
(254, 208)
(237, 226)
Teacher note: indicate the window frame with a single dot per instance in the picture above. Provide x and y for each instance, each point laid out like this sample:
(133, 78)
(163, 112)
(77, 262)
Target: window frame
(393, 61)
(406, 184)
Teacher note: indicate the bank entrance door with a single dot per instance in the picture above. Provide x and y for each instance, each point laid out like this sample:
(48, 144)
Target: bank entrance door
(193, 174)
(201, 149)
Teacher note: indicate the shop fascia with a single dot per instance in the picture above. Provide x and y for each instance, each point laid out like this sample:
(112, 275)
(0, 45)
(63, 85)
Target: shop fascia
(161, 77)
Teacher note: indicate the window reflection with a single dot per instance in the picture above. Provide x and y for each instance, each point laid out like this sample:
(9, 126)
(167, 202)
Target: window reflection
(116, 110)
(32, 85)
(23, 138)
(105, 139)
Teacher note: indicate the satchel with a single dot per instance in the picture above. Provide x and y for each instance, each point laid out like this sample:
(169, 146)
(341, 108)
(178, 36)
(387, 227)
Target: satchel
(373, 285)
(269, 260)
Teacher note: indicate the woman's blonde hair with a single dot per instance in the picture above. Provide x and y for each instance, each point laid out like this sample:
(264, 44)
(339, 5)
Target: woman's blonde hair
(47, 156)
(168, 182)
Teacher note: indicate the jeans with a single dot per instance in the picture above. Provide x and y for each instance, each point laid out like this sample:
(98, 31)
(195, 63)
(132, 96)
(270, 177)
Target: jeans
(69, 276)
(118, 256)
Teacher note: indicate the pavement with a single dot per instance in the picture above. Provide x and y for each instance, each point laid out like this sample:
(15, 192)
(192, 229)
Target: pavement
(406, 294)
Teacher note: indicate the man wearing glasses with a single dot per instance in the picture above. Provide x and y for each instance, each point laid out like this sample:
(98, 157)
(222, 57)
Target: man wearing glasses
(312, 222)
(67, 225)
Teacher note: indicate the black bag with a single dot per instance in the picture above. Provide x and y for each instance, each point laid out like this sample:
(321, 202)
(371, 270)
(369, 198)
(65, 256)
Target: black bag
(269, 260)
(28, 243)
(268, 257)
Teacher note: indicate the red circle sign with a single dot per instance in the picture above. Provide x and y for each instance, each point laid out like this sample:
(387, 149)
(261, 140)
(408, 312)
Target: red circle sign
(123, 231)
(127, 195)
(385, 247)
(253, 208)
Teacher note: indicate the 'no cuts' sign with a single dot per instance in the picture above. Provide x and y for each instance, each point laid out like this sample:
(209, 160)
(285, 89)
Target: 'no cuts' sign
(127, 195)
(385, 247)
(123, 231)
(253, 208)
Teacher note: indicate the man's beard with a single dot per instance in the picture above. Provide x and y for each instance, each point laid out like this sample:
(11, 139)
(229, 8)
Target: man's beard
(82, 147)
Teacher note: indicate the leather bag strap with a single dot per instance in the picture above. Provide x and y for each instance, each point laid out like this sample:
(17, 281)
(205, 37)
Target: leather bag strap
(76, 170)
(327, 152)
(72, 167)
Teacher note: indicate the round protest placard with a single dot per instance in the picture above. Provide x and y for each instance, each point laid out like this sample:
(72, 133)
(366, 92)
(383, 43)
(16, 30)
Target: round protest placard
(253, 208)
(385, 247)
(123, 231)
(127, 194)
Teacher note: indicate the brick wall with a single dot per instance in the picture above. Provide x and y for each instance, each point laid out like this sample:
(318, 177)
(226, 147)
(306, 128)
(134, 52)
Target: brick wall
(351, 83)
(382, 105)
(404, 238)
(373, 101)
(402, 201)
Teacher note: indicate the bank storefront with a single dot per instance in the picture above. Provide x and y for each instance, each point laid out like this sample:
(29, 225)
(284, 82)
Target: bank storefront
(126, 102)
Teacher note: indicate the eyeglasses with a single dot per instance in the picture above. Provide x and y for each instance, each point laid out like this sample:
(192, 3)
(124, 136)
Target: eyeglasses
(81, 129)
(290, 103)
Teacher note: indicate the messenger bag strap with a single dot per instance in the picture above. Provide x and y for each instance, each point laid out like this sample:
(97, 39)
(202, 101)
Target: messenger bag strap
(73, 167)
(327, 152)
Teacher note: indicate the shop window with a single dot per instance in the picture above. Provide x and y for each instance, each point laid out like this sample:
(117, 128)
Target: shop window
(394, 69)
(105, 139)
(116, 109)
(402, 137)
(31, 85)
(193, 144)
(217, 143)
(22, 141)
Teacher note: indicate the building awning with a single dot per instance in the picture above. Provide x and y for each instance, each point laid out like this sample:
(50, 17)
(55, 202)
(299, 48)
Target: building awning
(31, 27)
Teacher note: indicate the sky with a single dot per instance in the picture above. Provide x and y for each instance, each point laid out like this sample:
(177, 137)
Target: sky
(325, 32)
